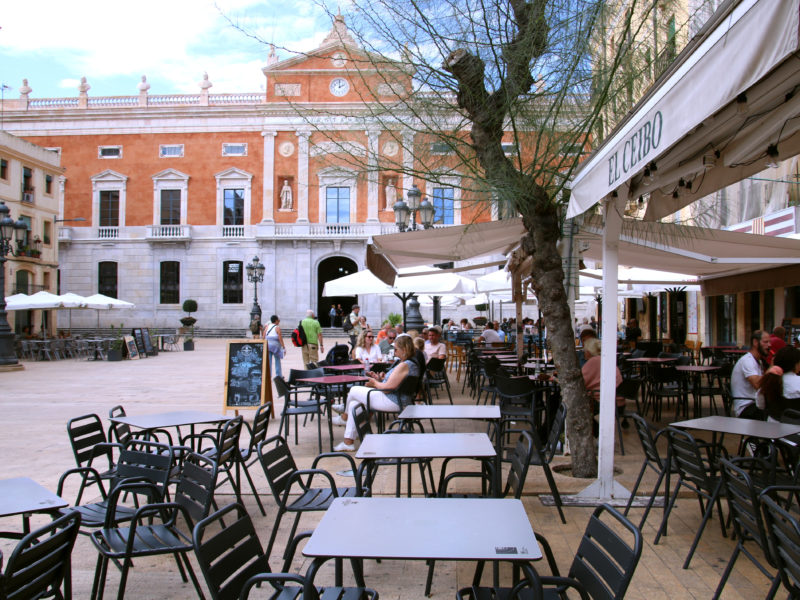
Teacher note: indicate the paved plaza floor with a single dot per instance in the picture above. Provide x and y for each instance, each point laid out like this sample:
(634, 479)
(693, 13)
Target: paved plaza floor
(37, 403)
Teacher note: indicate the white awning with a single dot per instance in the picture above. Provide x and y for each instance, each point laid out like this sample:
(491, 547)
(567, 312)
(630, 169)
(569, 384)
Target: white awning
(710, 118)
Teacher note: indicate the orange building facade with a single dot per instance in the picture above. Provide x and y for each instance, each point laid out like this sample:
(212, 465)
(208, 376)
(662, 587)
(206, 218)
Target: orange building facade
(179, 193)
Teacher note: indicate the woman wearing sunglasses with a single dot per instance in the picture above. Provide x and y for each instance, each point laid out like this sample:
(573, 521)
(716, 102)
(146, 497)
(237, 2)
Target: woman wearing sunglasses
(367, 351)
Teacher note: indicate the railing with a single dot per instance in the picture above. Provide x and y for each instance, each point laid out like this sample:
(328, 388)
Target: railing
(233, 231)
(168, 232)
(53, 103)
(107, 233)
(256, 98)
(337, 229)
(114, 101)
(65, 234)
(173, 99)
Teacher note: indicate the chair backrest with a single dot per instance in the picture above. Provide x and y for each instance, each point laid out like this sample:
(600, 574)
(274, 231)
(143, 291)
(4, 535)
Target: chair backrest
(119, 432)
(686, 458)
(258, 433)
(520, 458)
(784, 536)
(229, 553)
(605, 562)
(556, 429)
(629, 388)
(295, 374)
(151, 461)
(647, 440)
(228, 443)
(281, 387)
(85, 432)
(743, 500)
(41, 560)
(435, 366)
(361, 417)
(196, 485)
(278, 464)
(518, 388)
(407, 390)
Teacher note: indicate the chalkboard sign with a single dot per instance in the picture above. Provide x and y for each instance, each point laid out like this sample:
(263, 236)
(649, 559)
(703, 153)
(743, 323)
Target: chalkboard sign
(130, 346)
(148, 344)
(247, 376)
(137, 335)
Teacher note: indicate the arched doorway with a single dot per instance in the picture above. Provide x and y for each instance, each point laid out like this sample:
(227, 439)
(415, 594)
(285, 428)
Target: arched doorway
(334, 268)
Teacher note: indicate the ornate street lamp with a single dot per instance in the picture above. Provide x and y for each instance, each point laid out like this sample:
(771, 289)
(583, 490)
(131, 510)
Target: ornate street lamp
(404, 210)
(255, 275)
(9, 232)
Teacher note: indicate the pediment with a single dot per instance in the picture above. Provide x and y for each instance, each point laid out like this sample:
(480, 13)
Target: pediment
(109, 175)
(172, 174)
(233, 173)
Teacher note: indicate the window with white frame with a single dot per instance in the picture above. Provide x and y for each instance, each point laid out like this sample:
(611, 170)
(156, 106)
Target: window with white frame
(443, 205)
(109, 152)
(107, 280)
(170, 150)
(234, 188)
(337, 195)
(337, 204)
(232, 282)
(234, 149)
(170, 197)
(108, 199)
(170, 283)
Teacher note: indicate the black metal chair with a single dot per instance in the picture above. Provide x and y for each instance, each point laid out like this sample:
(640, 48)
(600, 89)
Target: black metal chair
(154, 529)
(89, 442)
(293, 407)
(284, 478)
(232, 561)
(745, 511)
(248, 456)
(39, 566)
(652, 460)
(783, 531)
(520, 459)
(406, 392)
(435, 378)
(140, 461)
(697, 474)
(602, 568)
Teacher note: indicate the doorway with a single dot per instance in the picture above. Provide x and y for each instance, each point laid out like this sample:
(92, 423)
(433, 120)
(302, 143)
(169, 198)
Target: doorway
(329, 269)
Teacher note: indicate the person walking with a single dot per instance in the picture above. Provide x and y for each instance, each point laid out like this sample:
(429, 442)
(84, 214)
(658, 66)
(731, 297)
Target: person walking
(332, 314)
(275, 346)
(314, 343)
(357, 329)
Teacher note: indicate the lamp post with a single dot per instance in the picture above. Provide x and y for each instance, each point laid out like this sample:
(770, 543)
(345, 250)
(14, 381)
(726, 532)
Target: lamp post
(255, 275)
(403, 210)
(9, 232)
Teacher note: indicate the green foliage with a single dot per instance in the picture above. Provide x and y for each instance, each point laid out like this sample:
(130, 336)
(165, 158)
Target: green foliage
(481, 307)
(190, 306)
(394, 318)
(118, 342)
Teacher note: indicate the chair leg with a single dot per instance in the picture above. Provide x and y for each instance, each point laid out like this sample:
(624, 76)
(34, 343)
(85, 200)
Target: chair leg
(728, 570)
(123, 580)
(663, 526)
(99, 583)
(274, 533)
(193, 577)
(706, 516)
(556, 496)
(653, 497)
(291, 534)
(429, 578)
(253, 488)
(635, 488)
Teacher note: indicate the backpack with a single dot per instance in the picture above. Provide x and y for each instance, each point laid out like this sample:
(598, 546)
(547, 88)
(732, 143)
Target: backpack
(299, 336)
(347, 326)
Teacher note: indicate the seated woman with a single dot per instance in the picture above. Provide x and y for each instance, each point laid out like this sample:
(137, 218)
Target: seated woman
(591, 371)
(780, 386)
(367, 351)
(385, 399)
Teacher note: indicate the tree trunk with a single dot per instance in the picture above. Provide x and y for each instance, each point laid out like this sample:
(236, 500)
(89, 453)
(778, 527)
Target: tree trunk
(544, 231)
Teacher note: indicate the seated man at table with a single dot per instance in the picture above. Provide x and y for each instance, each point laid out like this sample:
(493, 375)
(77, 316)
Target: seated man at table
(747, 375)
(489, 335)
(434, 348)
(387, 344)
(386, 398)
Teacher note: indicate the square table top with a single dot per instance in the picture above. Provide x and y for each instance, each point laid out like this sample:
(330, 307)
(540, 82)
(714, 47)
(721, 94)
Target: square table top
(23, 495)
(696, 368)
(449, 411)
(334, 379)
(424, 529)
(176, 418)
(426, 445)
(652, 359)
(769, 430)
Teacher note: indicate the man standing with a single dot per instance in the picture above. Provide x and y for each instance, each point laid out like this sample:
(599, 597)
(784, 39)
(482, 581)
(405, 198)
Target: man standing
(314, 344)
(357, 328)
(434, 348)
(746, 377)
(332, 314)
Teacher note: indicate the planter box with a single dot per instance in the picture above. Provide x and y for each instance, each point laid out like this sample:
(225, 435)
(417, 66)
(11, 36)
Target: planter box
(114, 355)
(188, 345)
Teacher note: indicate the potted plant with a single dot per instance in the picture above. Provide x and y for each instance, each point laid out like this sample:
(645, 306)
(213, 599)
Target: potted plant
(115, 351)
(189, 306)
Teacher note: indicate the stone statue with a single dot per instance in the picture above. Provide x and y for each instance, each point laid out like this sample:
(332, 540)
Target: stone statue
(286, 196)
(391, 194)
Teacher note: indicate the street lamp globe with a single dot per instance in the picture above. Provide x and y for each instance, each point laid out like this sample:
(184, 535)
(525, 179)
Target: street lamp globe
(426, 213)
(413, 197)
(401, 214)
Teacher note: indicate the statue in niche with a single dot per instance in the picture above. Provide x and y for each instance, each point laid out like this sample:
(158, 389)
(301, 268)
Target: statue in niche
(391, 194)
(286, 196)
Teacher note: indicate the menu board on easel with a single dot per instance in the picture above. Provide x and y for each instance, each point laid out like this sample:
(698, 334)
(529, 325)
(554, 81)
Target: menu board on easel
(139, 338)
(148, 343)
(247, 375)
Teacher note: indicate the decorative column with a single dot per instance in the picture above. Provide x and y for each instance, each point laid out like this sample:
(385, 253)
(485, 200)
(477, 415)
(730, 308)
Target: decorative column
(408, 162)
(302, 176)
(372, 176)
(268, 176)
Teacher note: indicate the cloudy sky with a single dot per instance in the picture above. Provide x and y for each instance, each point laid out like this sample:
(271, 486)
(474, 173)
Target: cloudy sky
(54, 43)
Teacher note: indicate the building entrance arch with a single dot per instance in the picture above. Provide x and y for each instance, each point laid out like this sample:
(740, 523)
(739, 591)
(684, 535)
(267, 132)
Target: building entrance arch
(329, 269)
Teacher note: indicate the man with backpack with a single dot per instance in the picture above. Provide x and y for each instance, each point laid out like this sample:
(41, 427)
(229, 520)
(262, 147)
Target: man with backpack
(313, 345)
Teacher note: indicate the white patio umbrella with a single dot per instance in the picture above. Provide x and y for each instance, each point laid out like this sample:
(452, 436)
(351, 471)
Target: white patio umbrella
(100, 302)
(38, 301)
(362, 282)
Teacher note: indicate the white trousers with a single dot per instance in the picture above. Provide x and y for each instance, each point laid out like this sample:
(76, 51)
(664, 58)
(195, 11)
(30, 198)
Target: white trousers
(358, 395)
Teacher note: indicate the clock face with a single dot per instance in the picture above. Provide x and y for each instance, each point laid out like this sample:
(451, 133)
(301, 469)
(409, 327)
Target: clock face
(339, 87)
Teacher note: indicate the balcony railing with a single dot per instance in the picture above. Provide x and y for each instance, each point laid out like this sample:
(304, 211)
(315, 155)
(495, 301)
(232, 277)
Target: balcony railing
(338, 229)
(168, 232)
(233, 231)
(108, 233)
